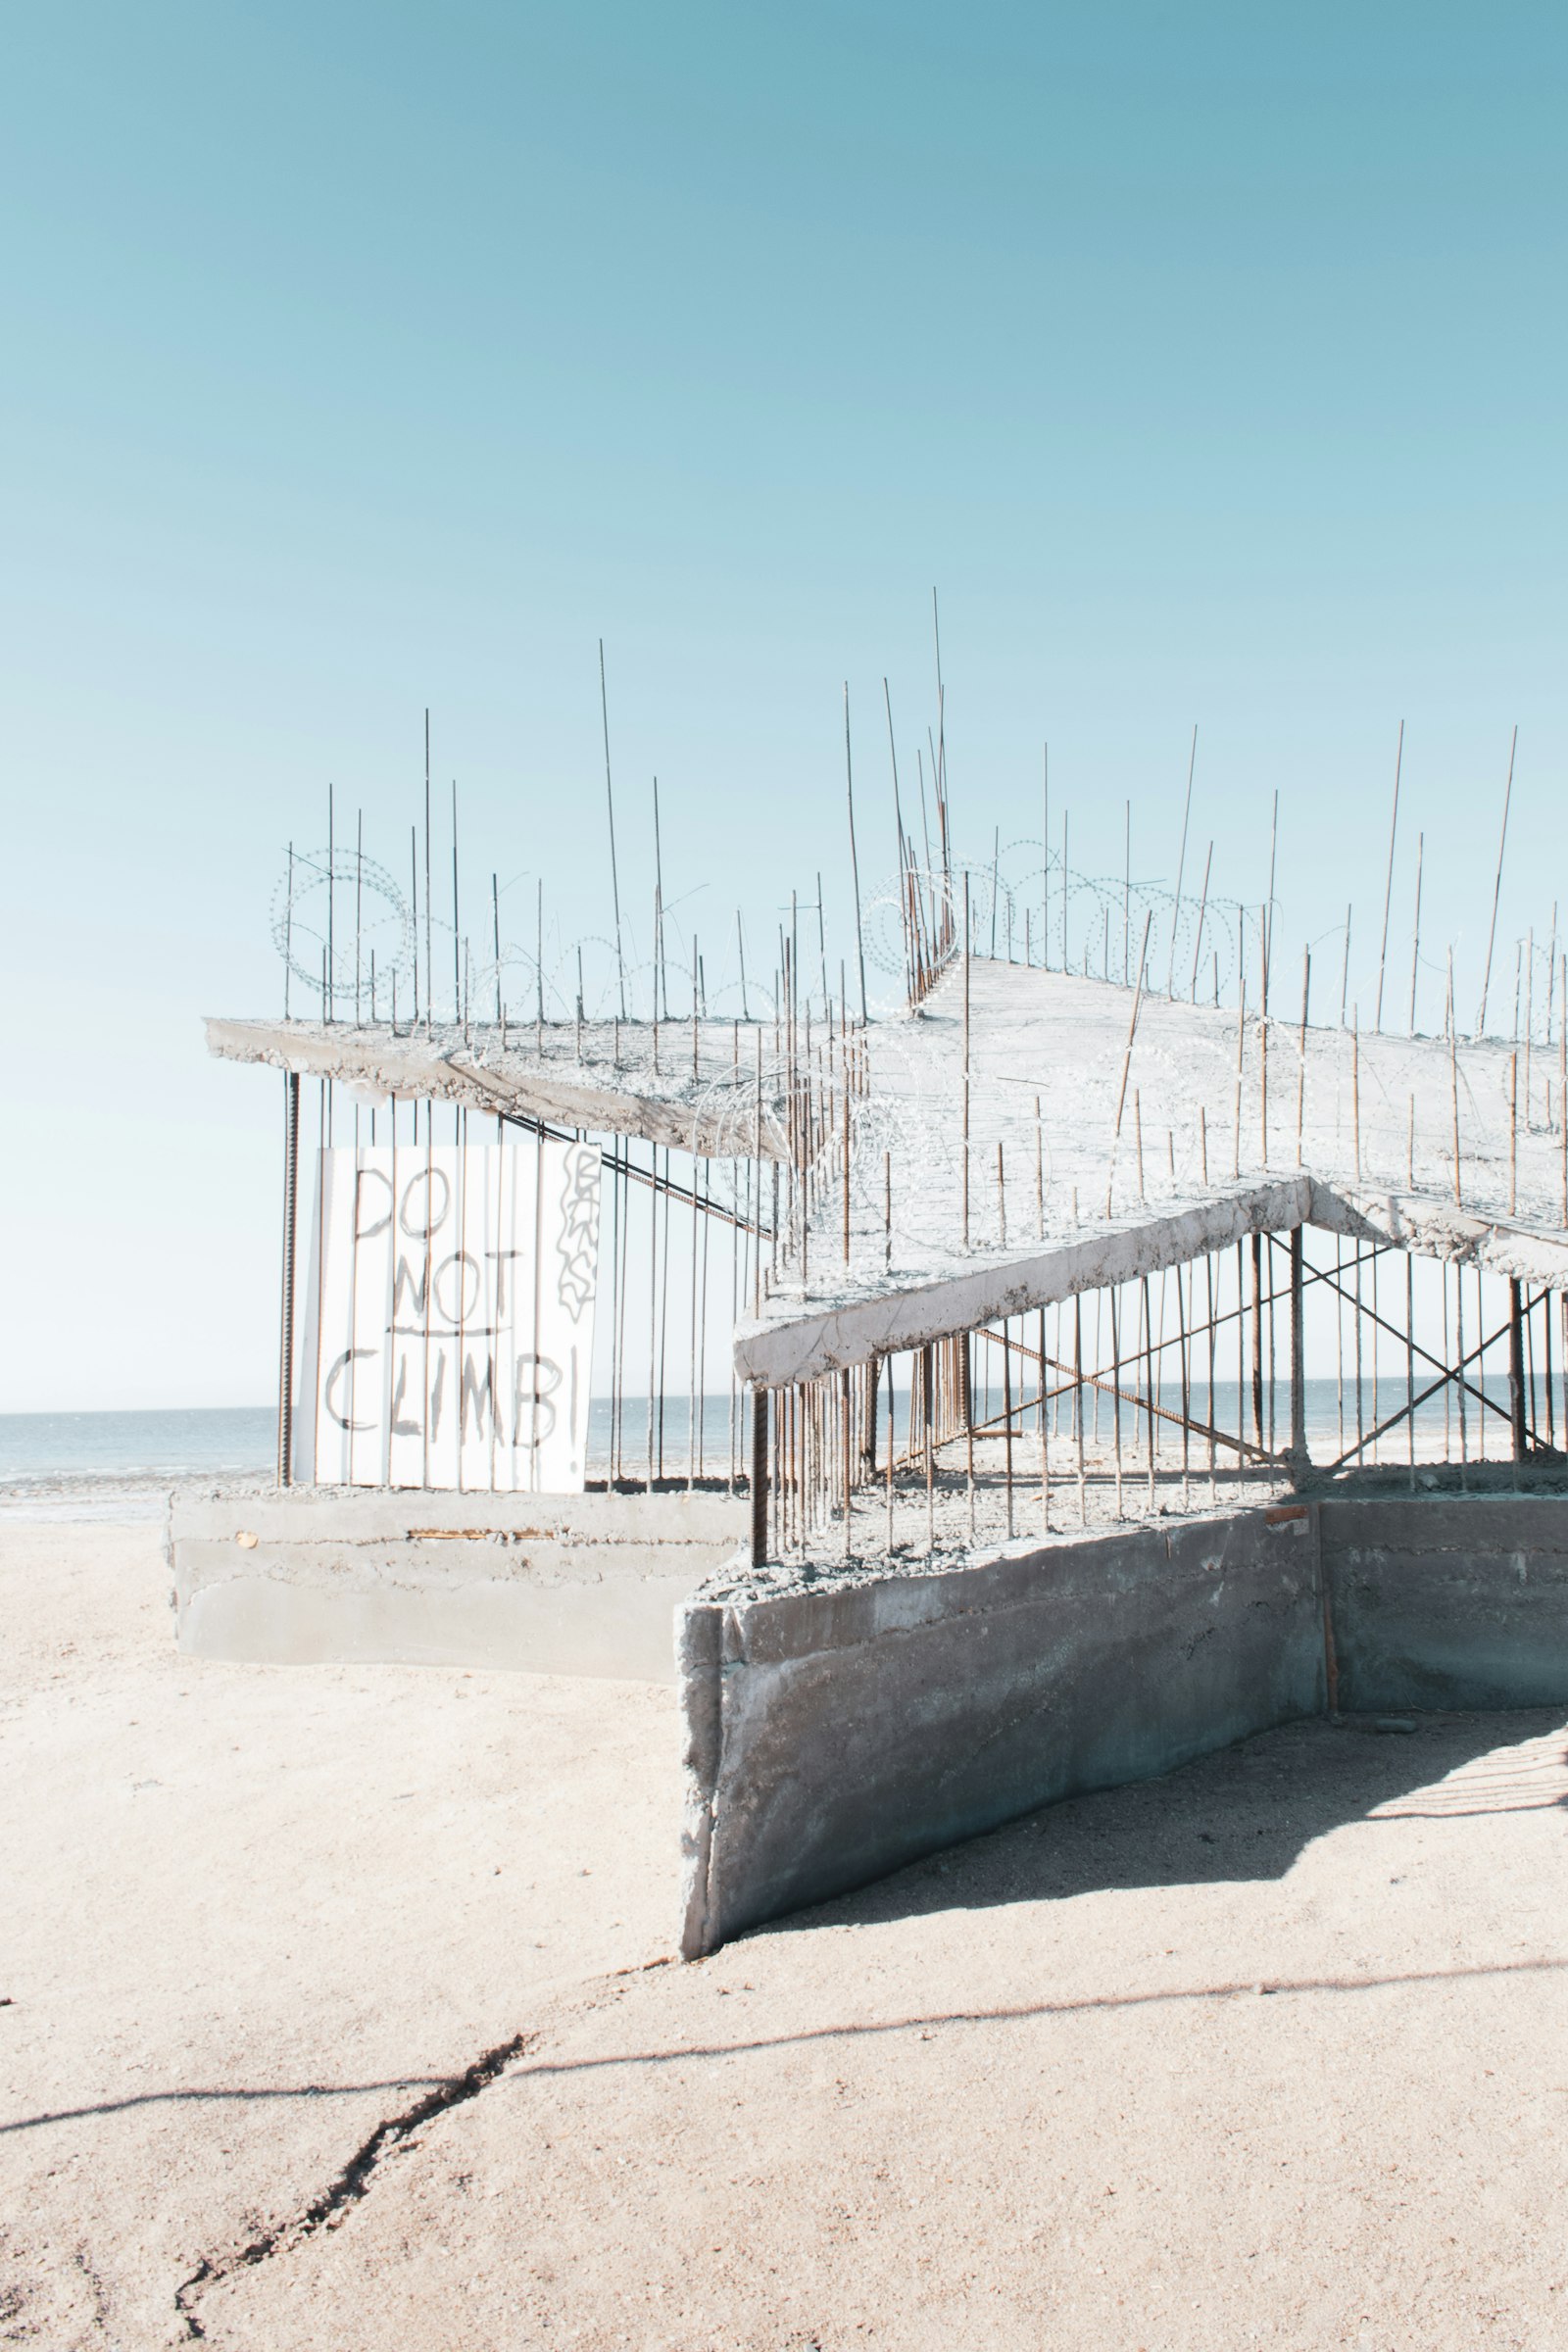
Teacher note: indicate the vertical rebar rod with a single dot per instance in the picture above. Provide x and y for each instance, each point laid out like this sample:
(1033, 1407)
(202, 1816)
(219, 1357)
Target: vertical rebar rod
(359, 904)
(1298, 1454)
(760, 1417)
(1202, 911)
(1006, 1421)
(966, 1062)
(1183, 1317)
(1148, 1382)
(1039, 1174)
(430, 934)
(1513, 1134)
(1181, 867)
(1458, 1358)
(1453, 1083)
(1516, 1369)
(1115, 1391)
(1545, 1351)
(927, 1369)
(286, 1363)
(1078, 1402)
(330, 988)
(609, 805)
(1045, 857)
(1387, 893)
(288, 934)
(1257, 1340)
(1415, 946)
(1045, 1454)
(1301, 1073)
(1497, 888)
(1126, 1063)
(893, 1438)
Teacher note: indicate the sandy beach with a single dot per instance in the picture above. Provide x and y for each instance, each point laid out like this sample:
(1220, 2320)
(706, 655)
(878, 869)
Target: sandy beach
(340, 2010)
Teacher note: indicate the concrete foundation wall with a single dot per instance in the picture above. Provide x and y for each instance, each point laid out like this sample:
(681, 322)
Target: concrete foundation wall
(582, 1584)
(1457, 1602)
(835, 1735)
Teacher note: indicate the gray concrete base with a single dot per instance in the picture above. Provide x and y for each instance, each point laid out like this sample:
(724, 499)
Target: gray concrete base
(581, 1584)
(836, 1732)
(1452, 1601)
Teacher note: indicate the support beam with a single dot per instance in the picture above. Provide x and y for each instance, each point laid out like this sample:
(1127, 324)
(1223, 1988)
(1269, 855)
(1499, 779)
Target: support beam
(1516, 1372)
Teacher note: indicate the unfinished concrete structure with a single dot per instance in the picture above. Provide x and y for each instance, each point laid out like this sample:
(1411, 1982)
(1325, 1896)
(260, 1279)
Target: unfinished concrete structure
(1024, 1254)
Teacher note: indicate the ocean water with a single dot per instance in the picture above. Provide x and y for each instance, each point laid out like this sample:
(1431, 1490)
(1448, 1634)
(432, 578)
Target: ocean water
(97, 1464)
(215, 1440)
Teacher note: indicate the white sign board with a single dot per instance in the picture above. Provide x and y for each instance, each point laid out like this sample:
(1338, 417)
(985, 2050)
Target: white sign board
(448, 1317)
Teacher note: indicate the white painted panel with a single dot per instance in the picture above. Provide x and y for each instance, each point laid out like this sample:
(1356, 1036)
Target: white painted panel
(448, 1317)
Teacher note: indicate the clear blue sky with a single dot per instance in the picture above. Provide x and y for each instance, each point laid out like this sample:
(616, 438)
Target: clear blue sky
(1209, 359)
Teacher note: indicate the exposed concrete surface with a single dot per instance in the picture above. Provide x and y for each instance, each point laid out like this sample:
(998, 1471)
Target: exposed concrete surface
(838, 1728)
(1058, 1041)
(615, 1084)
(1454, 1601)
(249, 1912)
(584, 1584)
(834, 1734)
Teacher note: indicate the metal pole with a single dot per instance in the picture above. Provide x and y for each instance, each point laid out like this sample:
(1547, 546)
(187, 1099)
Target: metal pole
(610, 804)
(855, 862)
(285, 1369)
(1497, 893)
(758, 1475)
(1257, 1340)
(1516, 1370)
(1301, 1461)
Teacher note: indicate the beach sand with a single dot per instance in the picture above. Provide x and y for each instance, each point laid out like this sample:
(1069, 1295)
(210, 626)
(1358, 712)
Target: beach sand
(1274, 2051)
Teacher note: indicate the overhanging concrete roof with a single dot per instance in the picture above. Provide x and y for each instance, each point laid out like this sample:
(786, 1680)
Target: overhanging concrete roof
(1226, 1130)
(625, 1081)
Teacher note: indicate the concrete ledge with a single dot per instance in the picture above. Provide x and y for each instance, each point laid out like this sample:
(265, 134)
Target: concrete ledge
(581, 1584)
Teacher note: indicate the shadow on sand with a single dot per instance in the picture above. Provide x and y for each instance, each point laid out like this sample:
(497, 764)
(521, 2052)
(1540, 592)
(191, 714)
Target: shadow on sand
(1245, 1813)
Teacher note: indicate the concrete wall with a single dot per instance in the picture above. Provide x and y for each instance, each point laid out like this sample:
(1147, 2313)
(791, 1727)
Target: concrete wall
(582, 1584)
(1457, 1602)
(834, 1734)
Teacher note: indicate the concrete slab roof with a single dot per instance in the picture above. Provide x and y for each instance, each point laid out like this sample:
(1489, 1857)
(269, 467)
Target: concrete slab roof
(1227, 1127)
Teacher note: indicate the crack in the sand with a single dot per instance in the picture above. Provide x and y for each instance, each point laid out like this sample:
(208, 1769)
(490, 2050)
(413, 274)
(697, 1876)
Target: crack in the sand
(350, 2185)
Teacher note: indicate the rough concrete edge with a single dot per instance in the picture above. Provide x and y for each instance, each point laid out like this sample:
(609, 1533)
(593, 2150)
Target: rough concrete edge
(444, 1068)
(791, 1344)
(1354, 1521)
(345, 1515)
(699, 1653)
(794, 1342)
(845, 1602)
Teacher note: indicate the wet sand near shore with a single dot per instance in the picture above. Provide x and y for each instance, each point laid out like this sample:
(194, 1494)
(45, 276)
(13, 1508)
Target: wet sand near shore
(341, 2013)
